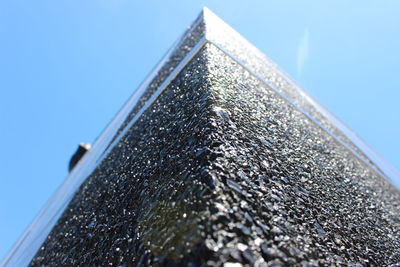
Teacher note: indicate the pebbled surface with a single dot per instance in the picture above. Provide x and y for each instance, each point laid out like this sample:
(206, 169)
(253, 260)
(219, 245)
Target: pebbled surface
(179, 51)
(224, 36)
(290, 193)
(222, 170)
(145, 201)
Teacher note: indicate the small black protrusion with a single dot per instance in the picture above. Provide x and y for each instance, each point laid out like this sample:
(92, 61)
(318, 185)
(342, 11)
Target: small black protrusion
(82, 149)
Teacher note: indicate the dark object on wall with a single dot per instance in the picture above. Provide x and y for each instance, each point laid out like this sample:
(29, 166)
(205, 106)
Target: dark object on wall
(76, 157)
(220, 159)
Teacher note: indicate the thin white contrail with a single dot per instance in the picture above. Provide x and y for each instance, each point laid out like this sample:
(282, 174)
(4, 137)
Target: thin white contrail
(302, 52)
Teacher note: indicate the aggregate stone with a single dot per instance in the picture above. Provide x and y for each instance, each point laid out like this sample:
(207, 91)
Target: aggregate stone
(223, 171)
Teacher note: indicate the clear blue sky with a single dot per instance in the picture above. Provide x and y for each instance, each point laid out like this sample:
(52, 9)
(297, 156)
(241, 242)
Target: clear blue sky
(67, 66)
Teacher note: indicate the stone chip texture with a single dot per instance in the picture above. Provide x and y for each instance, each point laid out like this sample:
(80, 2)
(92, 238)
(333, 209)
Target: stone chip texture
(222, 170)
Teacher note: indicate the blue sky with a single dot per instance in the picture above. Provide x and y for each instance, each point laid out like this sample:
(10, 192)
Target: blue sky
(67, 66)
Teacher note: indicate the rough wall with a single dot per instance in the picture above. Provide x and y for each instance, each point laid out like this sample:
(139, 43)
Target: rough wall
(222, 169)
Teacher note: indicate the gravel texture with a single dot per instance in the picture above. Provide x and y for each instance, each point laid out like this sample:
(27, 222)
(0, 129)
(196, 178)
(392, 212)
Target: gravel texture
(222, 170)
(221, 34)
(176, 54)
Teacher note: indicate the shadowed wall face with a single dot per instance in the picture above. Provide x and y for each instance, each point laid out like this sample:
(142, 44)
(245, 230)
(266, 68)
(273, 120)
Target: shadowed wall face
(147, 199)
(220, 169)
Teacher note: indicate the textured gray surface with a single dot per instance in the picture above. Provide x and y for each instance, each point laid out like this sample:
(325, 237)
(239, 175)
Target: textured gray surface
(179, 51)
(221, 34)
(144, 187)
(214, 30)
(222, 169)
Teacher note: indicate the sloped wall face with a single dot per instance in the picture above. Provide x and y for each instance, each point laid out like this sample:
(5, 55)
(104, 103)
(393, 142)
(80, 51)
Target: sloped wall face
(222, 169)
(147, 200)
(289, 193)
(179, 51)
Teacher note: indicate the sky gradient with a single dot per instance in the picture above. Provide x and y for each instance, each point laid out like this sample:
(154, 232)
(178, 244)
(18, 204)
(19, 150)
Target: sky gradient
(66, 67)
